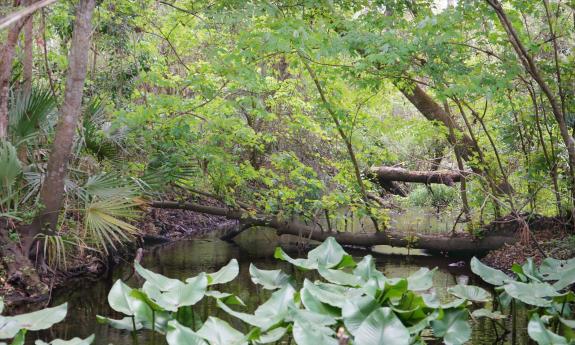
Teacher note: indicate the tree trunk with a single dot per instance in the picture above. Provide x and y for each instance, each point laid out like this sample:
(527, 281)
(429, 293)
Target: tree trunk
(433, 111)
(20, 272)
(52, 193)
(6, 58)
(445, 177)
(28, 50)
(462, 244)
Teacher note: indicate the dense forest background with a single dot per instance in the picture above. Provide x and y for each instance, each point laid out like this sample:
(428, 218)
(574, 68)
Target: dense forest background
(277, 111)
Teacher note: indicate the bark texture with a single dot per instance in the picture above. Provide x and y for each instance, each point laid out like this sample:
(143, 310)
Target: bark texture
(445, 177)
(52, 192)
(462, 244)
(28, 50)
(20, 271)
(6, 59)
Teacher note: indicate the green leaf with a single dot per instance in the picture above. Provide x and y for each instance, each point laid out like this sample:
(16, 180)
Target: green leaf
(273, 311)
(537, 331)
(218, 332)
(494, 315)
(74, 341)
(355, 311)
(161, 282)
(453, 327)
(123, 324)
(225, 274)
(421, 280)
(488, 274)
(1, 304)
(339, 277)
(315, 305)
(271, 336)
(178, 295)
(225, 297)
(35, 321)
(180, 335)
(469, 292)
(536, 294)
(329, 254)
(382, 327)
(309, 334)
(20, 338)
(269, 279)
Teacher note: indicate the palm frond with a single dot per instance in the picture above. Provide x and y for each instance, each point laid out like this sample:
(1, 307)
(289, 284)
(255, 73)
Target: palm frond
(94, 138)
(28, 112)
(10, 171)
(106, 221)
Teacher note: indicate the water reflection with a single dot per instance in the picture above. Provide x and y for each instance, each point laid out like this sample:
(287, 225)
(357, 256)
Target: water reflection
(187, 258)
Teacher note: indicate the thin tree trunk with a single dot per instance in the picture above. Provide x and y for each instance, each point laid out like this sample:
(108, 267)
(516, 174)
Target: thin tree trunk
(531, 68)
(52, 193)
(28, 50)
(6, 59)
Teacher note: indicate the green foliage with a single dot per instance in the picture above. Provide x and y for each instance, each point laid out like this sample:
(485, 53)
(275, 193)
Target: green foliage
(436, 196)
(15, 327)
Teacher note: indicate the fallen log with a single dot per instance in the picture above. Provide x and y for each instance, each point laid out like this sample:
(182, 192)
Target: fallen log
(393, 174)
(461, 244)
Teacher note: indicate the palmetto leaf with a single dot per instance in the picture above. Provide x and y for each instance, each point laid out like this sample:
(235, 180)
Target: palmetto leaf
(28, 112)
(10, 170)
(106, 221)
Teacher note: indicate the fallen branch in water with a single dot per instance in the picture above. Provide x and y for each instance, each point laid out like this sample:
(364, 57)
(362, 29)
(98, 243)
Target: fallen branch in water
(461, 244)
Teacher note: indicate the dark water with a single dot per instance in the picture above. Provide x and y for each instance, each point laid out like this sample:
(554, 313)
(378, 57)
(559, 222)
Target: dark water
(187, 258)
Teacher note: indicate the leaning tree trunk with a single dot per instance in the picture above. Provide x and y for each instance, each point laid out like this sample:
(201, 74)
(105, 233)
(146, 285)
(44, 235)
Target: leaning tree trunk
(52, 193)
(461, 244)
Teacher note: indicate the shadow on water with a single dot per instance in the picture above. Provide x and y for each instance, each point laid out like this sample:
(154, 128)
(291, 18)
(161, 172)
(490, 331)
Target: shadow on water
(183, 259)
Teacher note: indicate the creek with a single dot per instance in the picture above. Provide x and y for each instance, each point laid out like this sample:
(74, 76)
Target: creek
(183, 259)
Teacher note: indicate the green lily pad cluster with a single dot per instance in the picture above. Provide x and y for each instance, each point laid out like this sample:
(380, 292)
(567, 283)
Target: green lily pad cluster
(16, 327)
(544, 290)
(353, 300)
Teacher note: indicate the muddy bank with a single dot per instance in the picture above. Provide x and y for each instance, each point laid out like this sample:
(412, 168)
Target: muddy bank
(554, 236)
(157, 226)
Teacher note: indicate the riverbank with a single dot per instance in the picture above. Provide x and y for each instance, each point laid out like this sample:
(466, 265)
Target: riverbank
(157, 226)
(552, 237)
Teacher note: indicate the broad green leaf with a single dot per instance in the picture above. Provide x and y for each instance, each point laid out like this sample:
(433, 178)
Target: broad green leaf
(307, 316)
(382, 327)
(469, 292)
(123, 324)
(453, 327)
(333, 295)
(274, 310)
(180, 294)
(537, 331)
(536, 294)
(180, 335)
(329, 254)
(355, 311)
(488, 274)
(269, 279)
(34, 321)
(161, 282)
(339, 277)
(225, 274)
(315, 305)
(1, 304)
(20, 338)
(271, 336)
(225, 297)
(494, 315)
(74, 341)
(218, 332)
(309, 334)
(421, 280)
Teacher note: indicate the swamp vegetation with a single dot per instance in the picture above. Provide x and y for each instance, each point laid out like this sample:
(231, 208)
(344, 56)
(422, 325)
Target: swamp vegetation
(437, 125)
